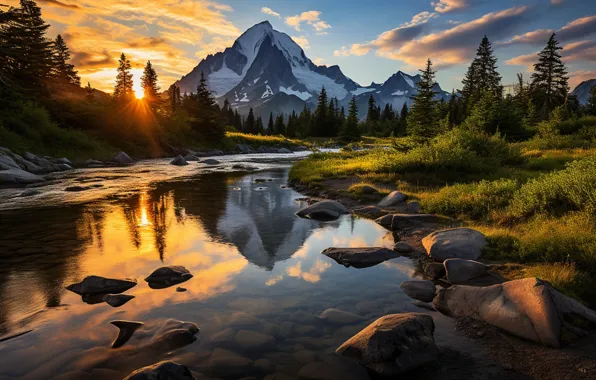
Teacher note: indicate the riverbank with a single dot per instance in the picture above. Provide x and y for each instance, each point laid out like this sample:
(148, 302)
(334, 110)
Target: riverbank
(534, 205)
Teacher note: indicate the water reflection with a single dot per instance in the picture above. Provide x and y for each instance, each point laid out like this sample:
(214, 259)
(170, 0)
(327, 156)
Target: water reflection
(254, 264)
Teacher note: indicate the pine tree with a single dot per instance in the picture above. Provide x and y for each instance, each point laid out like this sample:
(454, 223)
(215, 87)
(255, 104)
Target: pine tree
(149, 84)
(304, 122)
(207, 120)
(90, 92)
(123, 89)
(270, 124)
(591, 105)
(259, 125)
(350, 131)
(422, 119)
(292, 127)
(481, 76)
(63, 71)
(279, 128)
(237, 121)
(250, 124)
(549, 79)
(320, 115)
(371, 115)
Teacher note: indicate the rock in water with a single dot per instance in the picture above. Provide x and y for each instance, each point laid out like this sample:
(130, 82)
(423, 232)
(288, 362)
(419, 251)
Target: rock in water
(210, 161)
(402, 247)
(180, 289)
(460, 271)
(340, 317)
(461, 243)
(419, 289)
(394, 198)
(393, 344)
(126, 330)
(29, 193)
(191, 157)
(529, 308)
(93, 285)
(174, 334)
(179, 161)
(167, 276)
(360, 257)
(396, 222)
(18, 177)
(323, 210)
(123, 159)
(117, 300)
(162, 371)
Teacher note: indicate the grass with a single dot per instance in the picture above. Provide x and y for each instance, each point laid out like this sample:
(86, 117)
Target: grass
(259, 140)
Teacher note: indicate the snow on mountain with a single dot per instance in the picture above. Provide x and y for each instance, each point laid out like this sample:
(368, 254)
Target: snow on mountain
(582, 91)
(267, 71)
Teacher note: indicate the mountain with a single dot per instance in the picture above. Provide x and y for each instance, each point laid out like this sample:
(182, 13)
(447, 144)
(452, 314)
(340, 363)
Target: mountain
(582, 91)
(266, 70)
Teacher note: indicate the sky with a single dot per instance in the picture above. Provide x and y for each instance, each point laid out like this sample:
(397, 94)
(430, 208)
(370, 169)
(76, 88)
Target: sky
(369, 39)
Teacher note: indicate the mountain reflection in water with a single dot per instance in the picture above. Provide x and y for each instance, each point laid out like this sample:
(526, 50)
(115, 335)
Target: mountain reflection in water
(251, 257)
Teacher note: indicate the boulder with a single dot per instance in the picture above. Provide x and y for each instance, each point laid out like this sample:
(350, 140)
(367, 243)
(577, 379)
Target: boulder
(92, 285)
(360, 257)
(421, 290)
(394, 198)
(6, 162)
(284, 151)
(339, 317)
(396, 222)
(90, 163)
(372, 212)
(461, 243)
(333, 367)
(122, 159)
(460, 271)
(18, 177)
(528, 308)
(190, 157)
(29, 193)
(168, 276)
(173, 334)
(243, 148)
(117, 300)
(393, 344)
(402, 247)
(63, 160)
(434, 270)
(179, 161)
(367, 189)
(125, 331)
(210, 161)
(323, 210)
(162, 371)
(414, 207)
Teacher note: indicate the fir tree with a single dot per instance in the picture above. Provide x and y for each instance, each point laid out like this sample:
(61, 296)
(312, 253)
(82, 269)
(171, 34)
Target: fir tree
(403, 119)
(175, 98)
(371, 115)
(320, 115)
(549, 79)
(250, 124)
(149, 84)
(591, 105)
(123, 89)
(208, 120)
(350, 131)
(237, 121)
(259, 125)
(304, 122)
(270, 124)
(279, 128)
(292, 127)
(90, 92)
(481, 76)
(422, 118)
(64, 71)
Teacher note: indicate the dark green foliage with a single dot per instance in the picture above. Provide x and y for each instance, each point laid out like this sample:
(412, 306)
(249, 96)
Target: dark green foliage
(205, 113)
(320, 115)
(270, 123)
(591, 105)
(482, 76)
(150, 87)
(62, 70)
(279, 128)
(422, 120)
(350, 131)
(123, 89)
(259, 125)
(250, 124)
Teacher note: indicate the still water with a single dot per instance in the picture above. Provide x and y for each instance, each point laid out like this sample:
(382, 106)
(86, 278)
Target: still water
(257, 267)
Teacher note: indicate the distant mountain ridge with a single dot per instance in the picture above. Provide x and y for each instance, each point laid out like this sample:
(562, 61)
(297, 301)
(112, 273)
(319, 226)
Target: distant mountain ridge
(582, 91)
(269, 72)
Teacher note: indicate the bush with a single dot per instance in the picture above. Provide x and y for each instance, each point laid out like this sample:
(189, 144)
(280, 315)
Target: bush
(572, 126)
(473, 201)
(573, 188)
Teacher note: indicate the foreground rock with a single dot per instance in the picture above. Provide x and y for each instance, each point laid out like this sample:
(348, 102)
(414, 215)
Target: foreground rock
(125, 331)
(123, 159)
(529, 308)
(162, 371)
(461, 243)
(165, 277)
(117, 300)
(421, 290)
(394, 198)
(460, 271)
(402, 247)
(173, 334)
(339, 317)
(372, 212)
(360, 257)
(210, 161)
(396, 222)
(179, 161)
(18, 177)
(393, 344)
(93, 285)
(434, 270)
(323, 210)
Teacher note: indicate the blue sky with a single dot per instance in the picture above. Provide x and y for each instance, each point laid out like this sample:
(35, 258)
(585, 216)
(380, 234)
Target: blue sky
(368, 39)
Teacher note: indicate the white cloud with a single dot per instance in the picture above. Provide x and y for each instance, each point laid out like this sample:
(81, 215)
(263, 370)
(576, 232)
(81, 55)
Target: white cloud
(302, 41)
(446, 6)
(310, 17)
(319, 61)
(269, 11)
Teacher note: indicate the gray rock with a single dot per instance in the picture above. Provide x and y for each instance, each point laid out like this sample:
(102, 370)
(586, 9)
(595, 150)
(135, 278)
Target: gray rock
(173, 334)
(64, 167)
(168, 276)
(372, 212)
(460, 271)
(122, 158)
(528, 308)
(117, 300)
(367, 189)
(93, 285)
(339, 317)
(284, 151)
(323, 210)
(421, 290)
(396, 222)
(191, 157)
(360, 257)
(125, 331)
(243, 148)
(333, 367)
(29, 193)
(210, 161)
(18, 177)
(394, 198)
(162, 371)
(393, 344)
(63, 160)
(94, 163)
(461, 243)
(434, 270)
(414, 207)
(402, 247)
(6, 162)
(179, 161)
(253, 340)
